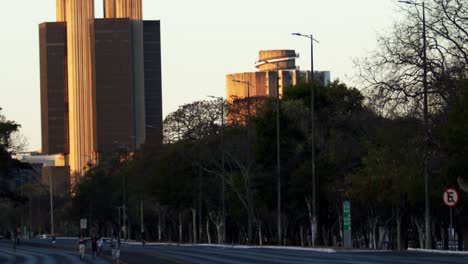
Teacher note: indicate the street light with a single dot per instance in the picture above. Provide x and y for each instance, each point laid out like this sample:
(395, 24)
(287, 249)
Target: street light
(223, 183)
(426, 126)
(248, 116)
(248, 98)
(278, 153)
(312, 143)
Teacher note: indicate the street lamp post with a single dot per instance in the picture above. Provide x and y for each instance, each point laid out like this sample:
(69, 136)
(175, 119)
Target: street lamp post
(248, 118)
(312, 105)
(51, 204)
(426, 127)
(278, 154)
(248, 99)
(278, 149)
(223, 182)
(120, 220)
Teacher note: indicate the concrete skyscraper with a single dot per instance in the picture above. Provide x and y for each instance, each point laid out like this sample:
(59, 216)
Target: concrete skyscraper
(95, 96)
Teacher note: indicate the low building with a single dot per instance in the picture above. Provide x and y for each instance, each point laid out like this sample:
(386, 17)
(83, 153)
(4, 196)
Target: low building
(44, 169)
(276, 69)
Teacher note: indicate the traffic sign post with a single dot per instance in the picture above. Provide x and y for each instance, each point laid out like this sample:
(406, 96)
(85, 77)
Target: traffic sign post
(450, 198)
(347, 241)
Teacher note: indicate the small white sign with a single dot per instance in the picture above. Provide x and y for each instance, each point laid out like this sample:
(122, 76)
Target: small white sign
(450, 197)
(83, 223)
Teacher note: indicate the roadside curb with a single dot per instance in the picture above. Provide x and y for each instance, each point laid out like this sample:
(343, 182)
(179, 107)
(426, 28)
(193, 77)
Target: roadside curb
(323, 250)
(435, 251)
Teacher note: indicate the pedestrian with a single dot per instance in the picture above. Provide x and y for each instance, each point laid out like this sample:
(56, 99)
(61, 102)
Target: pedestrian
(94, 247)
(13, 238)
(115, 245)
(18, 235)
(81, 247)
(100, 243)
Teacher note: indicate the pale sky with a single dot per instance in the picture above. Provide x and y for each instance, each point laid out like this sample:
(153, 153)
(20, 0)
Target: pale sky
(202, 41)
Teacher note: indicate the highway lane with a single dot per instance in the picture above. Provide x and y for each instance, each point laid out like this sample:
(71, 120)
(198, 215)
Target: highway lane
(134, 253)
(205, 255)
(25, 254)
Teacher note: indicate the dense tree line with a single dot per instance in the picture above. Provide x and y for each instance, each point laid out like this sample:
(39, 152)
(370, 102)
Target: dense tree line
(369, 146)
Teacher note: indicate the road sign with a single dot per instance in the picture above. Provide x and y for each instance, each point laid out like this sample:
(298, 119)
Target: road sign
(450, 197)
(83, 223)
(347, 240)
(346, 215)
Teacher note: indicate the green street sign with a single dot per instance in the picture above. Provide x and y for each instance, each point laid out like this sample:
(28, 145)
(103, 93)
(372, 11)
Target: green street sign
(347, 216)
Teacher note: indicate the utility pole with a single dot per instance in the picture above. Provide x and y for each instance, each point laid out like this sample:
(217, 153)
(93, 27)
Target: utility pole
(223, 181)
(278, 153)
(426, 139)
(314, 224)
(223, 173)
(427, 206)
(51, 203)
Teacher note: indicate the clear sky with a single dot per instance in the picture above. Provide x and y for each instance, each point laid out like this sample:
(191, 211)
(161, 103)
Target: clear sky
(202, 41)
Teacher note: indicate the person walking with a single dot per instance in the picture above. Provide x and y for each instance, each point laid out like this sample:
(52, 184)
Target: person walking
(100, 243)
(115, 245)
(81, 247)
(94, 247)
(13, 238)
(18, 235)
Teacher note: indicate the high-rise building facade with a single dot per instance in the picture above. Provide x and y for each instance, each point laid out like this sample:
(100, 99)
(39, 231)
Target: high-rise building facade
(100, 81)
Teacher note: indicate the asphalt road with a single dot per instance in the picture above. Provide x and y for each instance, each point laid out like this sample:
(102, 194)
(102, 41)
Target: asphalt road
(25, 254)
(205, 255)
(173, 254)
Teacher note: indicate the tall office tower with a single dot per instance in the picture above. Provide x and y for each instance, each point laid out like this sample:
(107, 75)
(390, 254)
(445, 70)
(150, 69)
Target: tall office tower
(129, 9)
(153, 91)
(81, 103)
(100, 81)
(133, 9)
(109, 8)
(115, 93)
(54, 117)
(61, 10)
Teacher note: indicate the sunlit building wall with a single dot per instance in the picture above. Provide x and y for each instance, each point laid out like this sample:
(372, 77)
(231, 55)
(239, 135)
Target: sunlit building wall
(81, 103)
(109, 8)
(129, 9)
(277, 69)
(61, 10)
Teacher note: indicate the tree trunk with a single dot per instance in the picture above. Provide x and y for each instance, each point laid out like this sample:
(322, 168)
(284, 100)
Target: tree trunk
(219, 232)
(311, 220)
(260, 234)
(465, 237)
(420, 233)
(208, 230)
(249, 227)
(180, 227)
(194, 225)
(159, 227)
(301, 235)
(399, 247)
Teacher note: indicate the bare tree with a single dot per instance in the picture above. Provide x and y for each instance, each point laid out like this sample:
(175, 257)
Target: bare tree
(192, 121)
(392, 74)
